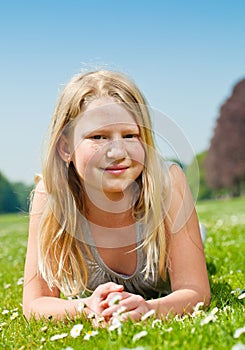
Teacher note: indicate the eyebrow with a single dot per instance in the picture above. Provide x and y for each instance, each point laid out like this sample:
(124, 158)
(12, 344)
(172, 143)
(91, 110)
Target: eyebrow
(129, 128)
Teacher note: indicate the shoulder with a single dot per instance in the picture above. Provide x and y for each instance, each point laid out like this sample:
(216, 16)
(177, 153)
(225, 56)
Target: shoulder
(38, 179)
(39, 196)
(180, 200)
(175, 174)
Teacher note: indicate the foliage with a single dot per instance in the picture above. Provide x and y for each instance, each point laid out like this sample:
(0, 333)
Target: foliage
(8, 198)
(23, 194)
(208, 329)
(204, 191)
(14, 197)
(225, 162)
(196, 175)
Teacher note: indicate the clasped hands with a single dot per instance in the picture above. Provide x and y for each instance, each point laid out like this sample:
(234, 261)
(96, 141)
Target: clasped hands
(101, 302)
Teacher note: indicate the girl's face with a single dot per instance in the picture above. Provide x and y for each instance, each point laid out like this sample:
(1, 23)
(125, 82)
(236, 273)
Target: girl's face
(108, 152)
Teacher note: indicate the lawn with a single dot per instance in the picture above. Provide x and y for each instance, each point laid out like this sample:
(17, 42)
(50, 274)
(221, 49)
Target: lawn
(220, 327)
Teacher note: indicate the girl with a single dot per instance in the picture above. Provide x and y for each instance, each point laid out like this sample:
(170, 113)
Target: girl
(109, 218)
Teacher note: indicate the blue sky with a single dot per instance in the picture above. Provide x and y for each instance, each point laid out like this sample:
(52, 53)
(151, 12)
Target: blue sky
(186, 56)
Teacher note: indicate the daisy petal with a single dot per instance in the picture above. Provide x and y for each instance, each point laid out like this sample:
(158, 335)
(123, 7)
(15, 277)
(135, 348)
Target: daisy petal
(148, 314)
(90, 334)
(58, 336)
(238, 332)
(139, 335)
(241, 296)
(115, 300)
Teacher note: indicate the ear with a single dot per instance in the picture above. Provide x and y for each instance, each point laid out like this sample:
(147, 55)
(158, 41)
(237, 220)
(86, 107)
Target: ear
(64, 149)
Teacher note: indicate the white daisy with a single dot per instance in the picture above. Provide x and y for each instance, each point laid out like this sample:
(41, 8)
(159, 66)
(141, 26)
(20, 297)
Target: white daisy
(90, 334)
(115, 324)
(155, 322)
(5, 312)
(214, 311)
(208, 319)
(76, 330)
(20, 281)
(198, 306)
(14, 316)
(211, 317)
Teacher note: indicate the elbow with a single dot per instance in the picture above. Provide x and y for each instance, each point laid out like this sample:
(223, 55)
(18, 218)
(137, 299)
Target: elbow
(203, 296)
(206, 294)
(207, 298)
(26, 313)
(200, 295)
(26, 310)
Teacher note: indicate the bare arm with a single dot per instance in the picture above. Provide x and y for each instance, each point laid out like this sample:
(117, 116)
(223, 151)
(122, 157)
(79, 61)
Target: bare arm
(187, 264)
(38, 299)
(187, 267)
(187, 272)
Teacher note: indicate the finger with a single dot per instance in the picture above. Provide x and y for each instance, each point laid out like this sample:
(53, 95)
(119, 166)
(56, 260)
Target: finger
(107, 288)
(133, 315)
(129, 302)
(111, 311)
(132, 302)
(115, 297)
(108, 312)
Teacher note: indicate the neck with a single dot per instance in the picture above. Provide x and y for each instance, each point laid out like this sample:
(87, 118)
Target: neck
(115, 211)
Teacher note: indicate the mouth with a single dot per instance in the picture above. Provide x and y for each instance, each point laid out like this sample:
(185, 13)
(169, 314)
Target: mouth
(116, 169)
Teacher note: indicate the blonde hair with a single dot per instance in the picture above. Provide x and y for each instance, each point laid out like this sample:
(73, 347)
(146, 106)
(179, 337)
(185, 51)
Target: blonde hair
(61, 260)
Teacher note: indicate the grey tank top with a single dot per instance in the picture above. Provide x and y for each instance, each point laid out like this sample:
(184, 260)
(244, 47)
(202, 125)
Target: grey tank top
(99, 272)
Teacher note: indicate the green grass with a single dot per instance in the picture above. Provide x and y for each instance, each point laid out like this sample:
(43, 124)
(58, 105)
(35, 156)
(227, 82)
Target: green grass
(225, 253)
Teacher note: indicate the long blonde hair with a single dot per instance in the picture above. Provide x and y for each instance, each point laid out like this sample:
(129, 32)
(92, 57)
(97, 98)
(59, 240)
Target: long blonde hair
(61, 260)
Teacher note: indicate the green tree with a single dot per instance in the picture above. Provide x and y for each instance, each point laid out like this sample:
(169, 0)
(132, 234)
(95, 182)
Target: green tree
(22, 192)
(204, 191)
(14, 197)
(9, 201)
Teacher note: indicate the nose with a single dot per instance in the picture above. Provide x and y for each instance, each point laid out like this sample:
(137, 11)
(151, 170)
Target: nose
(116, 150)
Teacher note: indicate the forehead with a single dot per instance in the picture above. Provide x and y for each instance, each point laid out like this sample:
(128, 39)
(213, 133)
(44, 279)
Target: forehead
(104, 113)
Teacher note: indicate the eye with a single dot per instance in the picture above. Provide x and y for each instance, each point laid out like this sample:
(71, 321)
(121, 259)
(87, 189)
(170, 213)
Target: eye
(130, 136)
(98, 137)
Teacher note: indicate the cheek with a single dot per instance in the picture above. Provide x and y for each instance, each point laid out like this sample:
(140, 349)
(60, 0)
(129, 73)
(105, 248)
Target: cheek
(84, 158)
(138, 154)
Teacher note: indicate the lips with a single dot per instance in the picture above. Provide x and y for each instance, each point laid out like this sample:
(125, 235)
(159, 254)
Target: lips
(116, 169)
